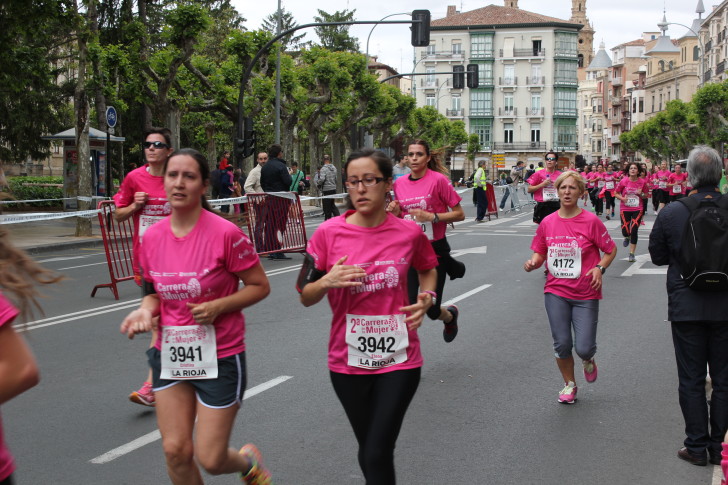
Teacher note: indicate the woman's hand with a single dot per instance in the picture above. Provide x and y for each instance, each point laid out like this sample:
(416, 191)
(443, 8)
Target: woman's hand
(342, 276)
(394, 208)
(596, 278)
(417, 311)
(421, 215)
(204, 313)
(531, 264)
(138, 321)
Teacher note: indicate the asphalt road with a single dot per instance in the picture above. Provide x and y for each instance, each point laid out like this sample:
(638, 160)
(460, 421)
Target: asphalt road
(485, 411)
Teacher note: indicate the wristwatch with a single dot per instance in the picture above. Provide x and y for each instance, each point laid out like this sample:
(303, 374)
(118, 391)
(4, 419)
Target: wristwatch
(601, 268)
(435, 219)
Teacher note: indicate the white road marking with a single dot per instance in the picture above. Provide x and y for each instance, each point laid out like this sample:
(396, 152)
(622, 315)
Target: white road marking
(82, 266)
(66, 258)
(466, 294)
(636, 267)
(156, 435)
(717, 475)
(477, 250)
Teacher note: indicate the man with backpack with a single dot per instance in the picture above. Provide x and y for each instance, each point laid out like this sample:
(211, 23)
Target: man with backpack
(691, 236)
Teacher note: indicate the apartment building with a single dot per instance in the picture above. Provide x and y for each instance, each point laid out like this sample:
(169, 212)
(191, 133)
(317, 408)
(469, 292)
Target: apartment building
(592, 99)
(626, 61)
(713, 34)
(527, 63)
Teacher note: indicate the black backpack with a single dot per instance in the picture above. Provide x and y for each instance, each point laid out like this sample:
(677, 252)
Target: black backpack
(215, 178)
(704, 244)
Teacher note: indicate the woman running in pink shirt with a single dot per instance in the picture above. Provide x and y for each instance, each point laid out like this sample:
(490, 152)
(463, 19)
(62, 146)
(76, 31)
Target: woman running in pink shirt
(572, 240)
(193, 263)
(631, 191)
(361, 261)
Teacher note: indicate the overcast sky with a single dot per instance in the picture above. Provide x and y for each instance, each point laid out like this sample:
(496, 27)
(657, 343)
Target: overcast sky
(614, 21)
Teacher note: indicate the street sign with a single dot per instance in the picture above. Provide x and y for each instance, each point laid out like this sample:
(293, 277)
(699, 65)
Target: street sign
(111, 116)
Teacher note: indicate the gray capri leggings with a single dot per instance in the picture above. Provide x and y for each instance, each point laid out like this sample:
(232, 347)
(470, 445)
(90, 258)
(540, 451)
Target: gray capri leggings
(583, 315)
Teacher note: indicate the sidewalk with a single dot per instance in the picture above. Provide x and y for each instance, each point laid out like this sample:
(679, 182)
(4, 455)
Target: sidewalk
(56, 234)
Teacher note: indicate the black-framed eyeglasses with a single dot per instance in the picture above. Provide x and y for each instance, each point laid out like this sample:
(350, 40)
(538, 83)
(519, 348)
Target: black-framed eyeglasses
(368, 181)
(156, 144)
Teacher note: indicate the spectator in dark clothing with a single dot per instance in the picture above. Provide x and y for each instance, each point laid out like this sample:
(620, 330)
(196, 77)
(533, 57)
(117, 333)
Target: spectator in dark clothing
(699, 321)
(226, 186)
(274, 177)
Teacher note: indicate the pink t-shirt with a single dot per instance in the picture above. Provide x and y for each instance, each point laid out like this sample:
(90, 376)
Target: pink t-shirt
(538, 177)
(585, 231)
(635, 189)
(7, 466)
(386, 253)
(154, 210)
(196, 268)
(663, 176)
(678, 179)
(610, 180)
(591, 179)
(433, 193)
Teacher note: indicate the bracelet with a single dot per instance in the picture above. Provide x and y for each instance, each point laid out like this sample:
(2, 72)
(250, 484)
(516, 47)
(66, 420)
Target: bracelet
(431, 293)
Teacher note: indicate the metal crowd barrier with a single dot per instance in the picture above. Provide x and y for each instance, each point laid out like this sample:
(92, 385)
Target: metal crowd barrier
(118, 244)
(275, 223)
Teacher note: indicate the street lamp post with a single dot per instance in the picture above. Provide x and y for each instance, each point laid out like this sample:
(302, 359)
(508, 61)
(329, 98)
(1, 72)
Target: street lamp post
(700, 42)
(375, 25)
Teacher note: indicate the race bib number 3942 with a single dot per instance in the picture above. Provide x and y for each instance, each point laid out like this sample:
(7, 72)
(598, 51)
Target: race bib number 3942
(376, 341)
(189, 352)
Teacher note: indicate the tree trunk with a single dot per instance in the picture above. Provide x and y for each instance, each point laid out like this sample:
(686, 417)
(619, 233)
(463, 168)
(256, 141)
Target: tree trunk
(81, 109)
(173, 118)
(210, 134)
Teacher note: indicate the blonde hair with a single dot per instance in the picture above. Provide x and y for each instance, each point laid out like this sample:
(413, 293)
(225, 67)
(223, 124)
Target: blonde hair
(578, 180)
(19, 274)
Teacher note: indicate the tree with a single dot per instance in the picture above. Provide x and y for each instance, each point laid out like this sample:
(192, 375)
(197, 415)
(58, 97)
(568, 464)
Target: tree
(291, 42)
(472, 150)
(336, 37)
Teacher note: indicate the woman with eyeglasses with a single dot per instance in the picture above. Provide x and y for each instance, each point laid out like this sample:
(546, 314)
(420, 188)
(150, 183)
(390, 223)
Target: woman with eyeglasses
(427, 198)
(142, 197)
(541, 185)
(578, 249)
(362, 261)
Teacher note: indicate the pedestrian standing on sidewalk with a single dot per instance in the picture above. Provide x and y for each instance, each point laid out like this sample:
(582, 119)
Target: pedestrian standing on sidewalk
(699, 320)
(142, 197)
(194, 262)
(274, 177)
(516, 178)
(374, 351)
(327, 182)
(578, 249)
(480, 185)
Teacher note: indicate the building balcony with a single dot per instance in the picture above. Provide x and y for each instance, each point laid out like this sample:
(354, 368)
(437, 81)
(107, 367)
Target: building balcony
(520, 146)
(567, 112)
(615, 100)
(426, 83)
(445, 55)
(709, 45)
(565, 81)
(615, 140)
(535, 112)
(567, 147)
(685, 70)
(707, 75)
(508, 112)
(484, 54)
(526, 53)
(508, 81)
(455, 113)
(720, 67)
(481, 112)
(616, 81)
(616, 120)
(535, 81)
(566, 53)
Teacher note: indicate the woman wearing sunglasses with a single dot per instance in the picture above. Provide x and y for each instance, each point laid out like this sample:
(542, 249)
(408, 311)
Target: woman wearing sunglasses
(374, 352)
(142, 197)
(541, 185)
(427, 197)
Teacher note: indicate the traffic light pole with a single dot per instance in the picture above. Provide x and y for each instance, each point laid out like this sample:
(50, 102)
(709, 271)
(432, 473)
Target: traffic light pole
(239, 141)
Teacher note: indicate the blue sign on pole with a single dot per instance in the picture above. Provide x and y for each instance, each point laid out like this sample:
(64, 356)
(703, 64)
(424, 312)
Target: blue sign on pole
(111, 116)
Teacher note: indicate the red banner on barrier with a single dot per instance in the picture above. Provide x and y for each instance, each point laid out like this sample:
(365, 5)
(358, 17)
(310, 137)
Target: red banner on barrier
(492, 205)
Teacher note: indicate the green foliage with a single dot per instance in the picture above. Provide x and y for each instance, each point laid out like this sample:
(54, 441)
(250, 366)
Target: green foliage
(336, 37)
(21, 190)
(291, 41)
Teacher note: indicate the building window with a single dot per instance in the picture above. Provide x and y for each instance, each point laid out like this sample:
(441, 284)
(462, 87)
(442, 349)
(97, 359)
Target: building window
(565, 71)
(431, 50)
(430, 77)
(565, 135)
(642, 105)
(536, 47)
(509, 74)
(483, 128)
(485, 73)
(566, 44)
(481, 102)
(535, 103)
(508, 132)
(430, 100)
(508, 103)
(457, 49)
(565, 102)
(536, 132)
(481, 45)
(456, 103)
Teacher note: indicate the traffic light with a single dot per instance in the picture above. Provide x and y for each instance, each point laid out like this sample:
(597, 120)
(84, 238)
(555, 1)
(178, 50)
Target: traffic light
(472, 76)
(420, 28)
(249, 138)
(458, 77)
(240, 148)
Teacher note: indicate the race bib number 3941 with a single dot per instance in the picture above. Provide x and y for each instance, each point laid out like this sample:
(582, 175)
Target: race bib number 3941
(189, 352)
(376, 341)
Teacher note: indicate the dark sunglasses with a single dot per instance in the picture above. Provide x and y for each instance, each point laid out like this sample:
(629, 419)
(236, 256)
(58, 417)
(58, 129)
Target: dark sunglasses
(550, 158)
(156, 144)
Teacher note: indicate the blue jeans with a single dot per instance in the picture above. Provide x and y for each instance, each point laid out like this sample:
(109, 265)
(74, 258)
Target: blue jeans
(506, 193)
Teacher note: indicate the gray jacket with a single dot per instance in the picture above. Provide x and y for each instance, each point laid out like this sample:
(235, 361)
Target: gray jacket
(327, 174)
(683, 303)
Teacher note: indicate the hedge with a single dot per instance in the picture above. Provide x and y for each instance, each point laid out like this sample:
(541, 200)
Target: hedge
(19, 191)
